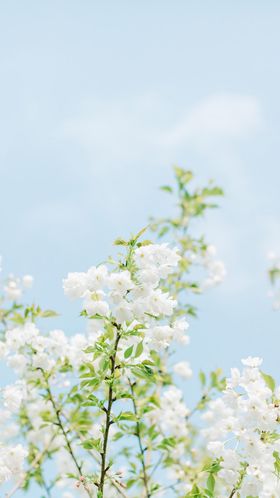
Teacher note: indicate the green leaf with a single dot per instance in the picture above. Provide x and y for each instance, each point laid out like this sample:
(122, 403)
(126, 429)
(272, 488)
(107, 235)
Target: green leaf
(202, 378)
(127, 416)
(277, 463)
(270, 382)
(139, 349)
(167, 188)
(128, 352)
(120, 242)
(48, 314)
(211, 484)
(91, 444)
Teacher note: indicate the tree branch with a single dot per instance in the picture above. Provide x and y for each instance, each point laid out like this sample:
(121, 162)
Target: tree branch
(65, 435)
(140, 443)
(108, 422)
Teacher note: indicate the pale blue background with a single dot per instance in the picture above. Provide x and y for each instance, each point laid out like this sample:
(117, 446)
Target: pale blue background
(97, 101)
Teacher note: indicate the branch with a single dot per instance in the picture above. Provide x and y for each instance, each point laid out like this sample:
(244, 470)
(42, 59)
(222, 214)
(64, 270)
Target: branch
(65, 435)
(108, 421)
(114, 483)
(141, 447)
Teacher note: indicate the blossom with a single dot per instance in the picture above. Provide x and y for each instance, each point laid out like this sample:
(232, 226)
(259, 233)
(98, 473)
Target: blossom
(27, 281)
(13, 395)
(96, 278)
(121, 282)
(252, 361)
(11, 461)
(75, 284)
(183, 369)
(171, 416)
(94, 304)
(247, 416)
(158, 256)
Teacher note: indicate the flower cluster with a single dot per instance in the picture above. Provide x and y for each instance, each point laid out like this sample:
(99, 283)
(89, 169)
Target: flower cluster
(244, 433)
(11, 462)
(132, 296)
(130, 300)
(216, 271)
(103, 404)
(14, 286)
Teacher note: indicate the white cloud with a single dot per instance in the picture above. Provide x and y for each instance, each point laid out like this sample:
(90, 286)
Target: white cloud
(218, 117)
(142, 127)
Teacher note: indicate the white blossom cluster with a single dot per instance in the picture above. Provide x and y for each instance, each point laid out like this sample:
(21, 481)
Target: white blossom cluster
(14, 286)
(244, 433)
(26, 349)
(132, 297)
(11, 462)
(242, 424)
(216, 270)
(172, 415)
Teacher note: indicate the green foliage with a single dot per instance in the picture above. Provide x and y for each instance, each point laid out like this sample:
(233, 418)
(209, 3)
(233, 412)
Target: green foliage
(191, 203)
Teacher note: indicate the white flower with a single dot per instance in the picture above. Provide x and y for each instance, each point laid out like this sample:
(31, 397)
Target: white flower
(18, 362)
(159, 337)
(75, 285)
(171, 416)
(183, 369)
(121, 282)
(13, 395)
(12, 290)
(123, 312)
(253, 362)
(179, 332)
(94, 304)
(243, 428)
(160, 303)
(43, 360)
(27, 281)
(11, 461)
(97, 278)
(19, 336)
(156, 257)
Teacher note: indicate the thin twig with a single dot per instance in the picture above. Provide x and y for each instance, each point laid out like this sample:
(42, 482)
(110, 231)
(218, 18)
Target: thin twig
(140, 443)
(65, 435)
(114, 483)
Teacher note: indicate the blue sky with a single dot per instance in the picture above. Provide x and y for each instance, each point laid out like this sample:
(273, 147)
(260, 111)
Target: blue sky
(98, 100)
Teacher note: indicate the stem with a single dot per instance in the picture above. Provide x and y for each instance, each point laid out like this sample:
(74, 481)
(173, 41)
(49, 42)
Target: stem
(239, 483)
(65, 435)
(114, 483)
(47, 489)
(108, 422)
(140, 443)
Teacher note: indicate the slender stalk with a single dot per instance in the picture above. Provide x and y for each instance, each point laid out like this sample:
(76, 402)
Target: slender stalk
(140, 443)
(47, 489)
(108, 421)
(156, 466)
(65, 435)
(239, 483)
(114, 483)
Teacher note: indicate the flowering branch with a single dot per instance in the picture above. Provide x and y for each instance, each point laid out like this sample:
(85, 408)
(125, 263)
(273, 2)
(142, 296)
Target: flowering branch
(61, 426)
(108, 421)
